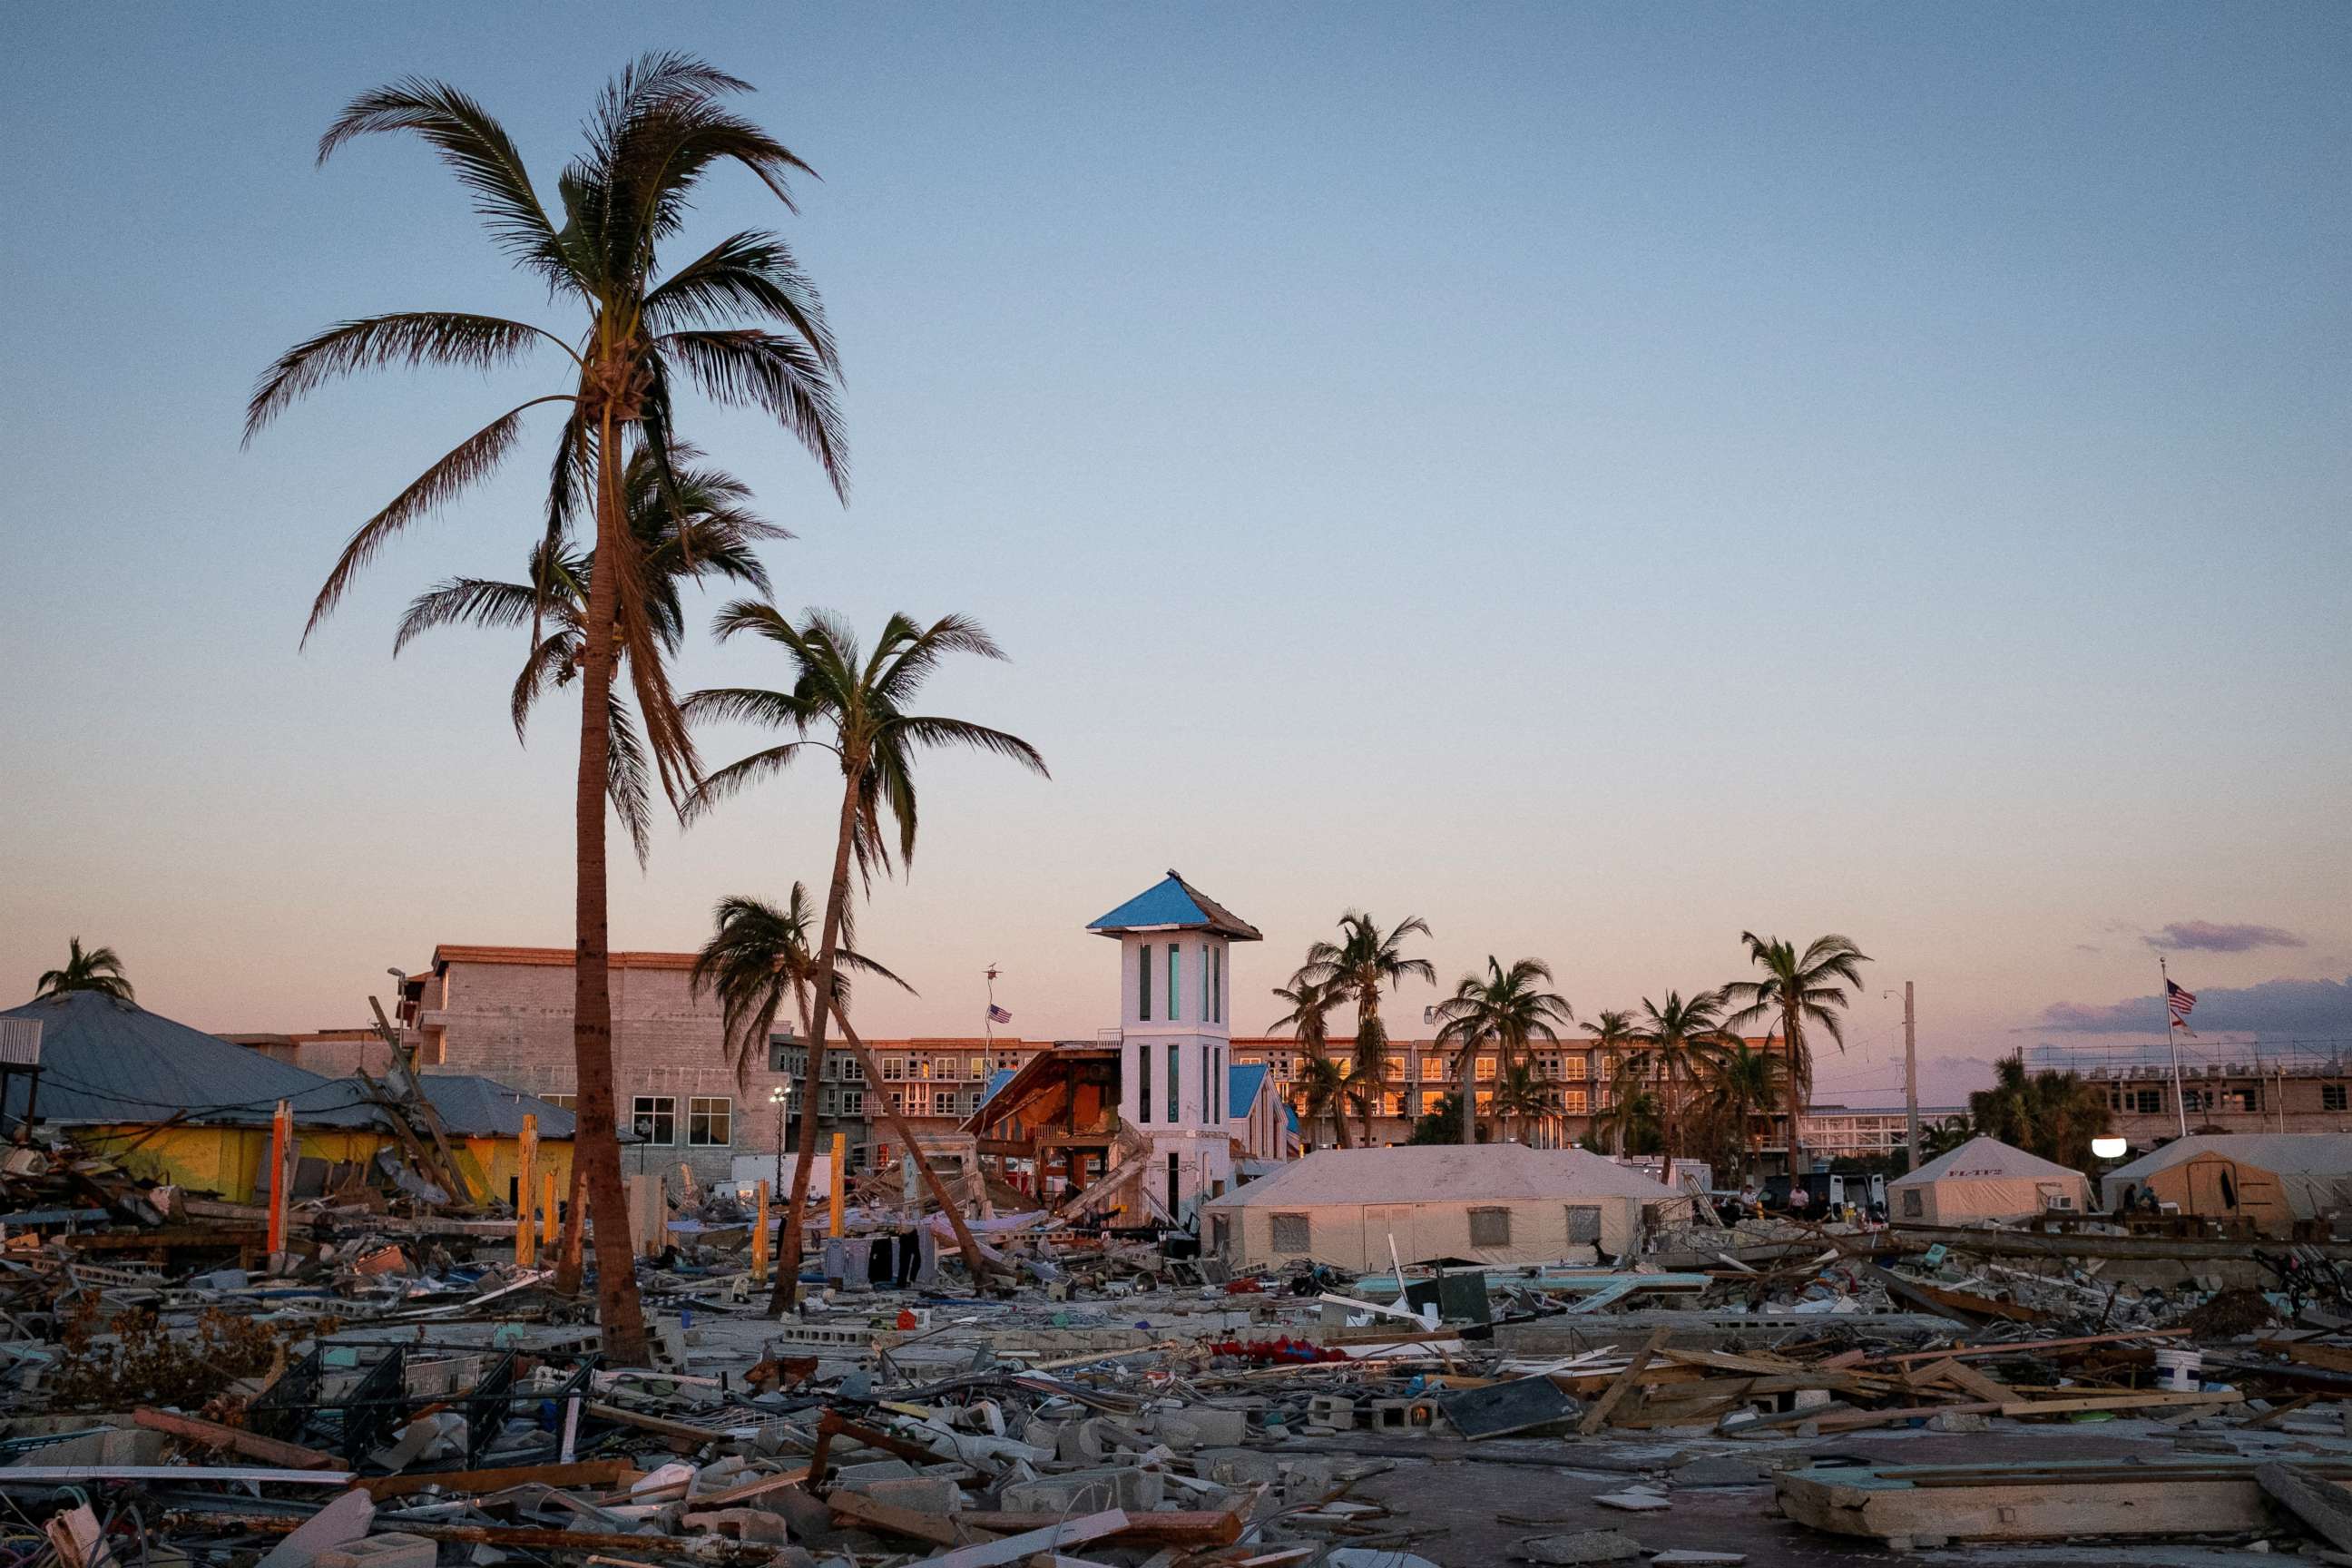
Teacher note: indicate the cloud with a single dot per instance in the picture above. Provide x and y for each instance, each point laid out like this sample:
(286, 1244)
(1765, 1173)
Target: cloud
(2274, 1007)
(2086, 947)
(2206, 936)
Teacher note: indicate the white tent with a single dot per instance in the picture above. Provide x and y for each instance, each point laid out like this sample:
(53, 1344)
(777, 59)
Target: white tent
(1983, 1179)
(2271, 1179)
(1490, 1203)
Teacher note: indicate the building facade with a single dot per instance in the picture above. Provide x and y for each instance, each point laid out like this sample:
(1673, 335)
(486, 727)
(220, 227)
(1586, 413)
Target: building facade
(2292, 1092)
(506, 1011)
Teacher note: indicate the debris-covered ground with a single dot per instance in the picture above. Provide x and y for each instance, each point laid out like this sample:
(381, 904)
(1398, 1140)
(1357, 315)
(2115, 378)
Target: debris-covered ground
(391, 1391)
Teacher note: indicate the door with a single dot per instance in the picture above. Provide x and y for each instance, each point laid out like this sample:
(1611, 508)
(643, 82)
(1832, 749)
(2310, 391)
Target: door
(1382, 1220)
(2211, 1191)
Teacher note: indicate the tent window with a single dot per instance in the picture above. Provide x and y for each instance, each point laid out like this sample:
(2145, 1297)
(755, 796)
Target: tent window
(1914, 1203)
(1490, 1227)
(1292, 1233)
(1584, 1225)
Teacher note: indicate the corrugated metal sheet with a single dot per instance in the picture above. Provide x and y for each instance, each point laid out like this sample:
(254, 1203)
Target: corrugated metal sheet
(473, 1107)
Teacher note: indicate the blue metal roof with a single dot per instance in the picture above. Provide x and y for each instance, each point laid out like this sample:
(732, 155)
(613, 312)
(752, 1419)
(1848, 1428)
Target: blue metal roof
(107, 1061)
(1174, 904)
(996, 1081)
(1243, 1081)
(470, 1105)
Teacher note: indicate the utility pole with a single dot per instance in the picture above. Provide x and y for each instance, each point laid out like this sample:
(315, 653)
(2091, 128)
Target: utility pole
(1910, 1081)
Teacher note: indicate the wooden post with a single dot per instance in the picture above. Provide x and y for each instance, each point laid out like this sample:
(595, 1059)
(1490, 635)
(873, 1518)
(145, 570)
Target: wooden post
(281, 1138)
(547, 1209)
(760, 1240)
(840, 1178)
(526, 1193)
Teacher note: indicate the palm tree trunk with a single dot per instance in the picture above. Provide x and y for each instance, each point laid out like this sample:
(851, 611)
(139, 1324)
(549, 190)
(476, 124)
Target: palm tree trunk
(1469, 1106)
(906, 1136)
(1670, 1119)
(837, 899)
(1792, 1099)
(596, 1121)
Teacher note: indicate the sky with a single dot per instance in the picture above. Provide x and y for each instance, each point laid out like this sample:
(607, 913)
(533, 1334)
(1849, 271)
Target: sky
(1599, 478)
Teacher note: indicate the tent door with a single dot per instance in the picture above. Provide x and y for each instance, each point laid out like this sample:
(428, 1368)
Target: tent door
(1382, 1220)
(2210, 1189)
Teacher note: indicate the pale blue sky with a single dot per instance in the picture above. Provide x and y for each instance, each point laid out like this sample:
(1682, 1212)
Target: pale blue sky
(1598, 477)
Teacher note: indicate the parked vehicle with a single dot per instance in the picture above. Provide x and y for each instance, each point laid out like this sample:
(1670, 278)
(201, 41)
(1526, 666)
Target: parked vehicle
(1828, 1192)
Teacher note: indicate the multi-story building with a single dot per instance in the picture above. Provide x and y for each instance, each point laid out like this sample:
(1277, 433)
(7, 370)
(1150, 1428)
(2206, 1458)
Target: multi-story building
(506, 1011)
(1865, 1132)
(2272, 1088)
(1578, 1080)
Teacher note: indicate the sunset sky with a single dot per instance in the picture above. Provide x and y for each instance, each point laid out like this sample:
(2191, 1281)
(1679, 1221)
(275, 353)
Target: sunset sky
(1599, 478)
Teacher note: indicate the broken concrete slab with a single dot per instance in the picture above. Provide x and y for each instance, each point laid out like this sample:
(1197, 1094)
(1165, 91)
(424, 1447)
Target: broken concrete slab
(1581, 1547)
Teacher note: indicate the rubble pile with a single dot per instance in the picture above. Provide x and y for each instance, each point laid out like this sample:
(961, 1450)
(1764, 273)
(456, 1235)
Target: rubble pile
(389, 1390)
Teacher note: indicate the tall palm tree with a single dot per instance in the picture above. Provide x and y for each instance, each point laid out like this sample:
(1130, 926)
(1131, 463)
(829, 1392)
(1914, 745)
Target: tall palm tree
(1309, 1022)
(757, 959)
(855, 706)
(1740, 1082)
(1801, 992)
(635, 336)
(1507, 1006)
(1361, 963)
(1323, 1091)
(1675, 1039)
(1612, 1038)
(687, 522)
(99, 969)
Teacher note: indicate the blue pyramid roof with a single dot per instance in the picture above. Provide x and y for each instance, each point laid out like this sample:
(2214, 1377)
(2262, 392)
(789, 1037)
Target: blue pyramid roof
(1242, 1082)
(1174, 904)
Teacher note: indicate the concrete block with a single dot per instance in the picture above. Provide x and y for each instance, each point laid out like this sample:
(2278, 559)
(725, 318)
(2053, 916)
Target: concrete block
(391, 1549)
(858, 1478)
(752, 1526)
(1238, 1467)
(1959, 1421)
(1331, 1412)
(1087, 1492)
(924, 1494)
(1201, 1426)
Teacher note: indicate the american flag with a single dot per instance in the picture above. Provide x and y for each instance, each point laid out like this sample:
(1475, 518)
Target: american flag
(2180, 1002)
(997, 1015)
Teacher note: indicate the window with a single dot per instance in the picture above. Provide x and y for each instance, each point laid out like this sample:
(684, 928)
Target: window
(922, 1067)
(919, 1100)
(2332, 1097)
(1208, 1104)
(655, 1118)
(571, 1102)
(1143, 984)
(1204, 1014)
(1914, 1203)
(1292, 1233)
(1571, 1100)
(1485, 1068)
(1217, 985)
(893, 1070)
(2146, 1101)
(1490, 1227)
(781, 1057)
(1143, 1081)
(852, 1069)
(852, 1102)
(898, 1101)
(709, 1121)
(1175, 1085)
(1576, 1065)
(980, 1069)
(1175, 983)
(1584, 1225)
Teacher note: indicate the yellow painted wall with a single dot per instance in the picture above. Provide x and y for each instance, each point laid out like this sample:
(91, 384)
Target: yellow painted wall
(234, 1160)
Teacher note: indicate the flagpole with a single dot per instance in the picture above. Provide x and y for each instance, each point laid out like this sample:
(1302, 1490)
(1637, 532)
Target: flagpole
(988, 1017)
(2172, 1042)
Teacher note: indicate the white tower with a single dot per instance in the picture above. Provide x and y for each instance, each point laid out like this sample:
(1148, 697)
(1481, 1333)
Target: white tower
(1175, 990)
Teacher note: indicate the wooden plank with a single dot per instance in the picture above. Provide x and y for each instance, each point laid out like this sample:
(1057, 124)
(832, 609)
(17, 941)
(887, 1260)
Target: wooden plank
(2156, 1400)
(2030, 1347)
(237, 1440)
(475, 1483)
(856, 1508)
(1850, 1420)
(2321, 1507)
(1622, 1383)
(1021, 1548)
(1978, 1383)
(749, 1489)
(1204, 1527)
(2283, 1408)
(82, 1475)
(2333, 1358)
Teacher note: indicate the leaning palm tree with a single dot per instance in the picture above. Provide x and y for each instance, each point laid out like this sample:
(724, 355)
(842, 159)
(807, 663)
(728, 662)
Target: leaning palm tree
(1612, 1038)
(740, 323)
(687, 522)
(854, 706)
(1800, 991)
(1323, 1091)
(757, 959)
(1359, 965)
(1507, 1007)
(1675, 1037)
(1740, 1082)
(1309, 1022)
(99, 969)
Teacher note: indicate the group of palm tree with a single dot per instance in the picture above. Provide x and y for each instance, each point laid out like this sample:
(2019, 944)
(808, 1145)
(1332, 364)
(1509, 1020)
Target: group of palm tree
(1673, 1062)
(632, 514)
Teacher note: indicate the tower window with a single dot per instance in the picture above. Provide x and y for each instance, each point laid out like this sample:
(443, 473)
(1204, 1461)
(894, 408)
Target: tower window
(1175, 1084)
(1143, 984)
(1205, 1015)
(1175, 980)
(1217, 984)
(1143, 1080)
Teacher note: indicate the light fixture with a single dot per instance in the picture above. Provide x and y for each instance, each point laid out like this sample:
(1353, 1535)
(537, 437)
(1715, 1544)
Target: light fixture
(2110, 1147)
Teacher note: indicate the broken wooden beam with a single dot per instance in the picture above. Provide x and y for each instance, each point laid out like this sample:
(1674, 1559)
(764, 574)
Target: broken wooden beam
(235, 1440)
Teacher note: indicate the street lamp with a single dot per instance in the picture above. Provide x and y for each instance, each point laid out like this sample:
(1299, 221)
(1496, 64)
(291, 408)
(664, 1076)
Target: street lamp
(781, 1099)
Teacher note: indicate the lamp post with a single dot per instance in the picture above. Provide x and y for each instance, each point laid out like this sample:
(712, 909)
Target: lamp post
(781, 1099)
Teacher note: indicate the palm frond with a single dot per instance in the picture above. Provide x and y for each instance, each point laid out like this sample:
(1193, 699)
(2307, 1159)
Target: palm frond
(933, 731)
(744, 273)
(462, 601)
(413, 338)
(782, 376)
(625, 781)
(470, 462)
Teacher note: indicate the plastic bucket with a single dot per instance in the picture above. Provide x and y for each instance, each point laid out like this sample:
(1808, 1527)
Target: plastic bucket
(2179, 1369)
